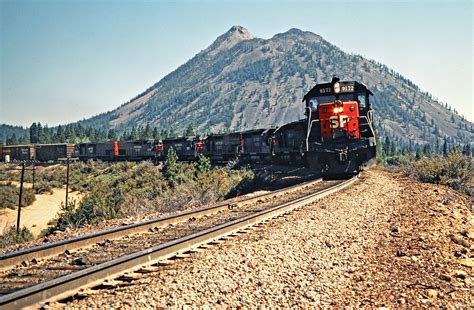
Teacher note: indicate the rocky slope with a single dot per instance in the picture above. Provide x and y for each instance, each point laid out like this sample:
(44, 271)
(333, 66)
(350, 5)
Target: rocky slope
(242, 82)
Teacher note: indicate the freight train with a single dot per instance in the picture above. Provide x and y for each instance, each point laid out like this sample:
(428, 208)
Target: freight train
(336, 137)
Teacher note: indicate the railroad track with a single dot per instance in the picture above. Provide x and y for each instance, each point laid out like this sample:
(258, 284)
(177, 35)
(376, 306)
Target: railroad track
(147, 252)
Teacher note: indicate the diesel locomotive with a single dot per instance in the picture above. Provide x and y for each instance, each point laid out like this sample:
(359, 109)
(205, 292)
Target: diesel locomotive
(337, 137)
(340, 136)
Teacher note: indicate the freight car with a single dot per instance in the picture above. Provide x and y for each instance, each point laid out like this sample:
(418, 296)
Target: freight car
(53, 152)
(18, 153)
(223, 147)
(288, 142)
(340, 137)
(257, 145)
(117, 150)
(187, 148)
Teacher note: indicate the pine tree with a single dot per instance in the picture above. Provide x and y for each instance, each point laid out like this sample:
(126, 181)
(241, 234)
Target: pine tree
(427, 149)
(445, 147)
(386, 146)
(34, 137)
(204, 164)
(12, 140)
(189, 131)
(133, 134)
(171, 168)
(111, 136)
(466, 150)
(60, 134)
(156, 134)
(147, 133)
(39, 130)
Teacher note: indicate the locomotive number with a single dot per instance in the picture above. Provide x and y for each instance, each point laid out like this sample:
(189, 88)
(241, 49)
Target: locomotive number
(338, 121)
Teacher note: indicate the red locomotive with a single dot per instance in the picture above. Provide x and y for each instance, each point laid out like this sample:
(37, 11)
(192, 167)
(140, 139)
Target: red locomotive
(340, 137)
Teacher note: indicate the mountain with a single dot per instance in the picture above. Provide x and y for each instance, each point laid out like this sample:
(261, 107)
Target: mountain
(242, 82)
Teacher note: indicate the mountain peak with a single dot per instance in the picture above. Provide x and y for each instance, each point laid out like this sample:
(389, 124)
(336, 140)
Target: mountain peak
(240, 31)
(233, 36)
(296, 33)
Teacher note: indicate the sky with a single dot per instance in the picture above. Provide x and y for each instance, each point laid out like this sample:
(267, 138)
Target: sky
(65, 60)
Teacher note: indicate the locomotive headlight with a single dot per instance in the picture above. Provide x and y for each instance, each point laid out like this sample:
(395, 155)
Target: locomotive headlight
(337, 88)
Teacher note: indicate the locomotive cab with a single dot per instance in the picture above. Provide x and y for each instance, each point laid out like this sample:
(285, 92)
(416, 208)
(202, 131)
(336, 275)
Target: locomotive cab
(339, 134)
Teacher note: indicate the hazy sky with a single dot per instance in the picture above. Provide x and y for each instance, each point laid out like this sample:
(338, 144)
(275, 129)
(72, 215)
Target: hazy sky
(62, 61)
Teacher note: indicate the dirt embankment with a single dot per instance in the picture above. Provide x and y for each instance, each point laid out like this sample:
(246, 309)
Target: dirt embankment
(37, 216)
(387, 241)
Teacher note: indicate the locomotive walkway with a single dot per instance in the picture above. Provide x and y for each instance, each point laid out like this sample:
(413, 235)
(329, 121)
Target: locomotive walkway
(110, 260)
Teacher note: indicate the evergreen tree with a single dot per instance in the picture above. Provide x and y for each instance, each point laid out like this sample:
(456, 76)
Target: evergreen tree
(147, 133)
(426, 149)
(34, 136)
(171, 167)
(39, 130)
(111, 136)
(386, 146)
(204, 164)
(156, 134)
(12, 140)
(445, 147)
(47, 135)
(133, 134)
(60, 134)
(466, 150)
(189, 131)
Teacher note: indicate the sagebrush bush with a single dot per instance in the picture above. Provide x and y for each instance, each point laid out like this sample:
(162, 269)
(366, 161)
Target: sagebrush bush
(9, 195)
(455, 170)
(126, 188)
(10, 237)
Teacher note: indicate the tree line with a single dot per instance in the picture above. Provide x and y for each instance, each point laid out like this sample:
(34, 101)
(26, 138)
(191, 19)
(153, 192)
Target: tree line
(76, 133)
(387, 148)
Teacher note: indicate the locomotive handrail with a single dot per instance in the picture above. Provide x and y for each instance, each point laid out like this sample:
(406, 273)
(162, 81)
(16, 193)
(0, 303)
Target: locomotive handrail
(310, 125)
(369, 123)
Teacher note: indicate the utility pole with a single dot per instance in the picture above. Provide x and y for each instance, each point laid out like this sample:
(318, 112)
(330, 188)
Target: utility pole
(67, 180)
(19, 200)
(34, 169)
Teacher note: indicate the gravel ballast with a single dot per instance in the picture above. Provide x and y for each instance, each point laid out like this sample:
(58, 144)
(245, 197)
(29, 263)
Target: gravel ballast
(386, 241)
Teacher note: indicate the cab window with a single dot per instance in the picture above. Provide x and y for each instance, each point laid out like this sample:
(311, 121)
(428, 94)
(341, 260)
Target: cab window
(361, 98)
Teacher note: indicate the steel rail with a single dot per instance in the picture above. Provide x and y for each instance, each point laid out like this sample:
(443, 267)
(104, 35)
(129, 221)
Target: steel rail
(65, 286)
(14, 258)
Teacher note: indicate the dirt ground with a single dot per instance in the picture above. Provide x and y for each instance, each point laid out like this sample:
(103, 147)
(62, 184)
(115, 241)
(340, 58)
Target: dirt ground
(387, 241)
(37, 215)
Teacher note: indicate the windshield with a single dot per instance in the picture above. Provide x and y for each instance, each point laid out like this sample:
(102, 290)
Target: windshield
(315, 101)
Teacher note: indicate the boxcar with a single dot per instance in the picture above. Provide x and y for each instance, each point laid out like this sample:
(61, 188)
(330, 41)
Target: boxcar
(20, 152)
(223, 147)
(53, 152)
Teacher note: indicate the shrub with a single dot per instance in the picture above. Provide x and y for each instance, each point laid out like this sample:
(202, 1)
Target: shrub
(171, 167)
(42, 187)
(455, 170)
(203, 164)
(126, 188)
(10, 237)
(10, 193)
